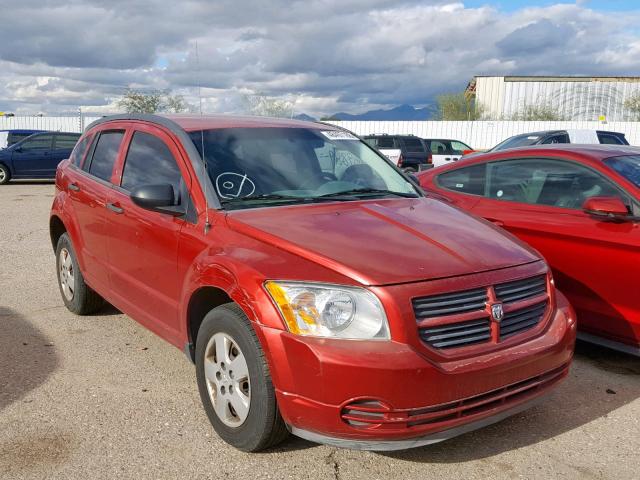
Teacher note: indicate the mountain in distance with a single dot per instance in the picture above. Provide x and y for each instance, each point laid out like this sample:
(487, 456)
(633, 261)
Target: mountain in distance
(402, 112)
(305, 117)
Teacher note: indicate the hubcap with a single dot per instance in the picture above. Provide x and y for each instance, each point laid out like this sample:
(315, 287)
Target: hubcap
(66, 274)
(3, 175)
(227, 377)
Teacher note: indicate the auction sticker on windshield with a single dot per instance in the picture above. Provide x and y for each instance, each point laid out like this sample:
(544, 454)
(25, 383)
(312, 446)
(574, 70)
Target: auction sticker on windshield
(338, 135)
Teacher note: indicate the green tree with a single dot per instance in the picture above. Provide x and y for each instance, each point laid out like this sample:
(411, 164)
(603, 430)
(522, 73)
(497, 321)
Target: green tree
(457, 106)
(262, 105)
(541, 111)
(633, 105)
(154, 101)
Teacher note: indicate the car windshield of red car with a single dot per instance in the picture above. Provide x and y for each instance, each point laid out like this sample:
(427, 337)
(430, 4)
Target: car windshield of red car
(267, 165)
(628, 166)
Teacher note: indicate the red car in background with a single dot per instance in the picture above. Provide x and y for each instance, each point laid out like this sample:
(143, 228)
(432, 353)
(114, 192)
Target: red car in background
(579, 206)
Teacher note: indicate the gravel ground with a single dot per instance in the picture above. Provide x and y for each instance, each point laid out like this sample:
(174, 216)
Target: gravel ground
(100, 397)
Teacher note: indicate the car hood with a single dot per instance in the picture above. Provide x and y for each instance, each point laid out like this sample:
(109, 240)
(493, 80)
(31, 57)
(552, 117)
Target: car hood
(382, 242)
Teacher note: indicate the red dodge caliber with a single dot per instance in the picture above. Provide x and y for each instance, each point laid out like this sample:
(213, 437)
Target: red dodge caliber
(579, 206)
(316, 288)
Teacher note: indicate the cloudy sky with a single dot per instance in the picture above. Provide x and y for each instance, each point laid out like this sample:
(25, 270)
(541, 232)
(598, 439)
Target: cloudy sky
(324, 55)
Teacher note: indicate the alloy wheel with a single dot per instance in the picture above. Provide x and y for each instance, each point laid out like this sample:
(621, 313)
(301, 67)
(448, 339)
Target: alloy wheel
(227, 377)
(66, 273)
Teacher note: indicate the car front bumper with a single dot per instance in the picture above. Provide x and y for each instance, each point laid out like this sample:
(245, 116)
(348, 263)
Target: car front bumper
(388, 396)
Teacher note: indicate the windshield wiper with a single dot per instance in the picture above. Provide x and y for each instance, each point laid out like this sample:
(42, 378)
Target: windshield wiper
(370, 191)
(276, 198)
(266, 196)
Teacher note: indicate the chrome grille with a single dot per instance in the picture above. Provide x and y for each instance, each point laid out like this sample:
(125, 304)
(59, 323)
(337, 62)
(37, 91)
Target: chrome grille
(521, 289)
(450, 303)
(521, 320)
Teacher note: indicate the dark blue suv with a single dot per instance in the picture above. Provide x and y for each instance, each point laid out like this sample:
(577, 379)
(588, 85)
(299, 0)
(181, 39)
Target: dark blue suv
(37, 156)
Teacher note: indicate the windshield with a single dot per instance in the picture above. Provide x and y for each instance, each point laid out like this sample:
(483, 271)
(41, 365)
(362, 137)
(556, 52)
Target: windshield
(517, 141)
(628, 166)
(252, 167)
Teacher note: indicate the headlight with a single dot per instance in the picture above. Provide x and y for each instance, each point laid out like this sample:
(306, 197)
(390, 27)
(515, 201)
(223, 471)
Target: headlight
(329, 310)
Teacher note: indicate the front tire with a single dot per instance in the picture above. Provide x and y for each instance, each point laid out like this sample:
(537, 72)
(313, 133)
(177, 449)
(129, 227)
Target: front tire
(78, 297)
(234, 381)
(5, 174)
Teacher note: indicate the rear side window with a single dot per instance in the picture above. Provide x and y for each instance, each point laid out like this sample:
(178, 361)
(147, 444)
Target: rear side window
(65, 141)
(610, 139)
(469, 180)
(386, 142)
(149, 162)
(440, 147)
(78, 152)
(104, 154)
(413, 145)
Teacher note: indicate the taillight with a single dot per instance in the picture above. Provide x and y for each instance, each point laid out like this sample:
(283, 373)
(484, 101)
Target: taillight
(429, 157)
(400, 160)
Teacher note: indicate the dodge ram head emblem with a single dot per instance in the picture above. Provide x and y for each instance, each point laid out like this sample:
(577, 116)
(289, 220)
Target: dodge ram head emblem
(497, 312)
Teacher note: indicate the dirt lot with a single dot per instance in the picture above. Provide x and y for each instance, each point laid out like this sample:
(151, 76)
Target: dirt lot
(100, 397)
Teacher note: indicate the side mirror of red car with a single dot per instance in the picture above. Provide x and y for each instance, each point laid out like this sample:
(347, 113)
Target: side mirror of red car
(158, 198)
(468, 152)
(609, 207)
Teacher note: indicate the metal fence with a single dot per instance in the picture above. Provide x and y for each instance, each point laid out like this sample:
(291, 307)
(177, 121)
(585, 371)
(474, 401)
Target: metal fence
(481, 134)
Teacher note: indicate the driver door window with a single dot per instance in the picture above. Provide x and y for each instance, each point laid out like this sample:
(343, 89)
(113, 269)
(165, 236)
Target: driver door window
(149, 162)
(41, 143)
(546, 182)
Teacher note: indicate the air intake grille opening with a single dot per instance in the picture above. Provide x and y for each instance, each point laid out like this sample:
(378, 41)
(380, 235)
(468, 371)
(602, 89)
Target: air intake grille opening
(460, 319)
(521, 320)
(457, 334)
(450, 303)
(521, 289)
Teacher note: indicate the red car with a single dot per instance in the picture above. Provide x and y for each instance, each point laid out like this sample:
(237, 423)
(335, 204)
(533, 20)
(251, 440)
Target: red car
(314, 286)
(579, 206)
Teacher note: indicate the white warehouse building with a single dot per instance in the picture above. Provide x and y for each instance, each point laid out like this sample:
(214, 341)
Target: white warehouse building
(573, 98)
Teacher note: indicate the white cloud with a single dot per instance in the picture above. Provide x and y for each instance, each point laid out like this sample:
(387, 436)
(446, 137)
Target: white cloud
(328, 55)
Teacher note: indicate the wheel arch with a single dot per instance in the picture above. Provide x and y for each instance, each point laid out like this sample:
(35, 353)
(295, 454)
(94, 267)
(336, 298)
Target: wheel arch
(56, 229)
(201, 302)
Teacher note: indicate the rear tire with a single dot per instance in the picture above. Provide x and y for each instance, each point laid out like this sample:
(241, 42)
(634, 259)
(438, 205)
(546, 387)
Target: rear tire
(5, 174)
(77, 296)
(227, 340)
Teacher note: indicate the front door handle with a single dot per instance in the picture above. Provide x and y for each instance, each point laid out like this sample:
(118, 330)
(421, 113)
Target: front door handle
(74, 187)
(115, 208)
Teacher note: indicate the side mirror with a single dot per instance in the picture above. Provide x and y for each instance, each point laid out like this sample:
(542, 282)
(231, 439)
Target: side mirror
(608, 207)
(17, 149)
(158, 198)
(413, 177)
(468, 152)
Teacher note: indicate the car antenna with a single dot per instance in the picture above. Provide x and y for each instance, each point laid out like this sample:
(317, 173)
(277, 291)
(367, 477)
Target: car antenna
(207, 225)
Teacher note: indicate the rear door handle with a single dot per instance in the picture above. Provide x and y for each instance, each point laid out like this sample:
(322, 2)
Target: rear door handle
(74, 187)
(115, 208)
